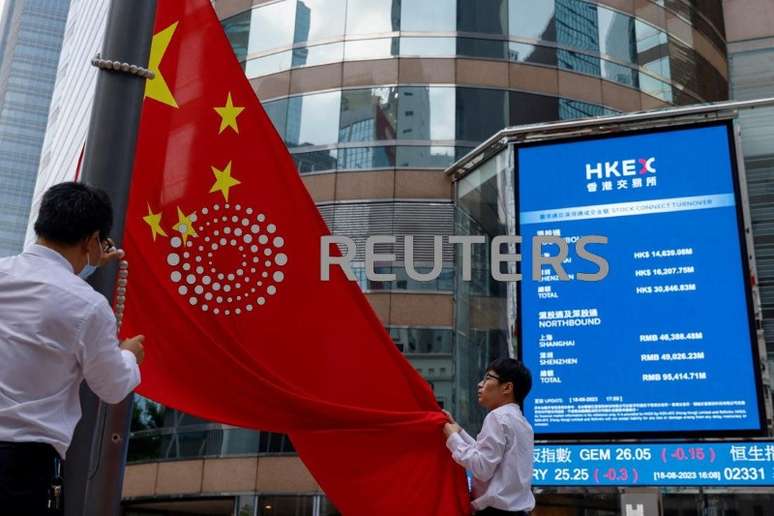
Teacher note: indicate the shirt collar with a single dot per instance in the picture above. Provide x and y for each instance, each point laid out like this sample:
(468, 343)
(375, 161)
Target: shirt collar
(49, 254)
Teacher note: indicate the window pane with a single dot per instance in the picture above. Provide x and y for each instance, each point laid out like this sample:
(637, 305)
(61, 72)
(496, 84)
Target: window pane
(436, 16)
(653, 86)
(366, 157)
(268, 65)
(372, 16)
(531, 19)
(582, 63)
(523, 53)
(480, 113)
(319, 19)
(486, 48)
(265, 32)
(371, 49)
(427, 47)
(570, 109)
(576, 25)
(425, 157)
(277, 111)
(313, 119)
(619, 73)
(237, 29)
(652, 49)
(368, 115)
(426, 113)
(485, 16)
(616, 35)
(285, 505)
(422, 340)
(527, 108)
(318, 55)
(315, 161)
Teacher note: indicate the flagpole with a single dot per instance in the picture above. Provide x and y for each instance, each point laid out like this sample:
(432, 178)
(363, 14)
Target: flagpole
(94, 469)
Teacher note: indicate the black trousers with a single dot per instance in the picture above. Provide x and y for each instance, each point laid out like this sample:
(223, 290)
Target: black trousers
(491, 511)
(26, 473)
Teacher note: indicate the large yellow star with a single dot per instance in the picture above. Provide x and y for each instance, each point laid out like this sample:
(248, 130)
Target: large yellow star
(157, 88)
(154, 221)
(223, 181)
(184, 225)
(228, 115)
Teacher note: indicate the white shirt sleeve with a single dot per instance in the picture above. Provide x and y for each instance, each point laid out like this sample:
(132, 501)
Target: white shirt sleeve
(483, 455)
(111, 373)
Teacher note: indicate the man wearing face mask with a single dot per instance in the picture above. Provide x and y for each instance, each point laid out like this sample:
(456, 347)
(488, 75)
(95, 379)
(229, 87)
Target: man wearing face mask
(55, 331)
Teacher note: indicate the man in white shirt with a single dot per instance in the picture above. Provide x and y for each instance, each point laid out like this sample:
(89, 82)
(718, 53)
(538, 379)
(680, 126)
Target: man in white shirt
(500, 459)
(55, 331)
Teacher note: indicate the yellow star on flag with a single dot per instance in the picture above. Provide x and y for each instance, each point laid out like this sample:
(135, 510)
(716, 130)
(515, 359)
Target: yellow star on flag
(228, 115)
(184, 225)
(223, 181)
(157, 88)
(154, 221)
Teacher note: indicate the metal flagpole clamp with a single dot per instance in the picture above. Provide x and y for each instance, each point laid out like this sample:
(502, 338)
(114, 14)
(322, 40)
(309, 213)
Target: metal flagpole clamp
(118, 66)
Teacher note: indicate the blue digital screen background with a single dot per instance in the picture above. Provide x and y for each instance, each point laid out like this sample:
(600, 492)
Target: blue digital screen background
(682, 227)
(704, 464)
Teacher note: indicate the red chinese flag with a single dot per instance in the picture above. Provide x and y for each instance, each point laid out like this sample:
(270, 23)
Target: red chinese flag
(224, 246)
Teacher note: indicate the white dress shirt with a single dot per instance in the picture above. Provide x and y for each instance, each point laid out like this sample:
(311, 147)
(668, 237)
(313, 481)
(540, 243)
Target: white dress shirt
(500, 460)
(55, 331)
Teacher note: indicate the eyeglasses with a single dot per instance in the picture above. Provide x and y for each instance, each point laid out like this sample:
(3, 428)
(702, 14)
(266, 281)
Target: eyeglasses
(490, 376)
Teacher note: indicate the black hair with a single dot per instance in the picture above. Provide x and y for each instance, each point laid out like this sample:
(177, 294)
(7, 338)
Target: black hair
(71, 212)
(510, 370)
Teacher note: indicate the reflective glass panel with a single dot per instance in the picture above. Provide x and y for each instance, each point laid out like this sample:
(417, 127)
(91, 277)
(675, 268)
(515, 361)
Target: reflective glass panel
(435, 16)
(426, 113)
(285, 505)
(427, 47)
(277, 111)
(265, 31)
(371, 49)
(480, 113)
(616, 35)
(368, 115)
(653, 86)
(575, 61)
(268, 65)
(372, 16)
(534, 54)
(318, 55)
(576, 25)
(422, 340)
(486, 48)
(425, 157)
(531, 19)
(315, 161)
(619, 73)
(366, 157)
(571, 109)
(237, 29)
(528, 108)
(652, 49)
(485, 16)
(319, 19)
(313, 119)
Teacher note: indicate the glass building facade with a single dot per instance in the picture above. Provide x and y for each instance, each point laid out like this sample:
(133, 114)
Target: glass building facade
(30, 41)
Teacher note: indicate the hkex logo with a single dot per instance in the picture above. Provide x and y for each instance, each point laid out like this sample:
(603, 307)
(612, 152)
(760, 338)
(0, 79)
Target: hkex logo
(626, 167)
